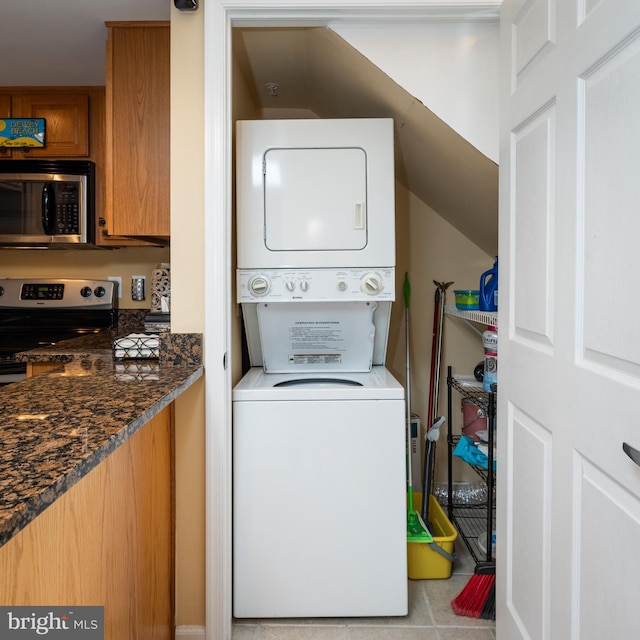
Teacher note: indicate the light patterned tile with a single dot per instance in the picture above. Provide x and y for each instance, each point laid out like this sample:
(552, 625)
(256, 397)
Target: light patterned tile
(305, 632)
(451, 633)
(430, 618)
(391, 633)
(244, 632)
(440, 593)
(464, 562)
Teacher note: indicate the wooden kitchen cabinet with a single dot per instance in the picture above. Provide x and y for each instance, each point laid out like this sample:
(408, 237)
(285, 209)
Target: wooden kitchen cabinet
(66, 116)
(107, 541)
(5, 106)
(137, 131)
(36, 368)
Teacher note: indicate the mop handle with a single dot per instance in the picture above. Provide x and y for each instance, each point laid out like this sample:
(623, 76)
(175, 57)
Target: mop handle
(407, 293)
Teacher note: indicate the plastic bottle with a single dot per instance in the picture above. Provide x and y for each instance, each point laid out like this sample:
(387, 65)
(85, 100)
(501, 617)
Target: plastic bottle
(490, 343)
(489, 289)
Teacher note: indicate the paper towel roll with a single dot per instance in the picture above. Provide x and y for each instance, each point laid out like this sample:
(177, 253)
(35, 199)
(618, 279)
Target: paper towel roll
(161, 287)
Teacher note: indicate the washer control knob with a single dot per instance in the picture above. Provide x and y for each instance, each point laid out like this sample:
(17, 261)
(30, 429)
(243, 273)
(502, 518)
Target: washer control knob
(291, 285)
(304, 285)
(259, 285)
(85, 292)
(342, 285)
(371, 284)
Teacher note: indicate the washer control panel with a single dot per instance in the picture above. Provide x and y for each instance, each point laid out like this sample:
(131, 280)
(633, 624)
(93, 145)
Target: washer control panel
(314, 285)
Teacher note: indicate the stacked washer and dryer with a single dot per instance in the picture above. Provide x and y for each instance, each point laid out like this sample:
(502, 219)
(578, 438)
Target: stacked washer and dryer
(319, 514)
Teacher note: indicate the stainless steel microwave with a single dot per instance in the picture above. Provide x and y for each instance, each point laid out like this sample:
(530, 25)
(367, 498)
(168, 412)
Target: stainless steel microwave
(47, 203)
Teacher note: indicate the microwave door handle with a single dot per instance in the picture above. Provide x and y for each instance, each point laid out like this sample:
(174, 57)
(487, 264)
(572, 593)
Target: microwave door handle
(48, 207)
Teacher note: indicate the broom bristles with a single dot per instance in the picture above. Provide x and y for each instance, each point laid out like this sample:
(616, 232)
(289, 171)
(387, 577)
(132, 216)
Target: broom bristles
(477, 599)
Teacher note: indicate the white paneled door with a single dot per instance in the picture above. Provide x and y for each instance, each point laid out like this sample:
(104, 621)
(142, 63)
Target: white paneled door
(569, 378)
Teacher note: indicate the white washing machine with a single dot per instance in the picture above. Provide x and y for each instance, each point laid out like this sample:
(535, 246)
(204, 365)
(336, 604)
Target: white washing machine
(319, 526)
(319, 490)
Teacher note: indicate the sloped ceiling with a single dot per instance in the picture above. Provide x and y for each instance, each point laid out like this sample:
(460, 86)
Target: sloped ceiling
(315, 69)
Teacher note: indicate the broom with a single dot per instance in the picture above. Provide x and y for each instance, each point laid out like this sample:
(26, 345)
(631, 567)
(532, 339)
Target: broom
(478, 598)
(416, 528)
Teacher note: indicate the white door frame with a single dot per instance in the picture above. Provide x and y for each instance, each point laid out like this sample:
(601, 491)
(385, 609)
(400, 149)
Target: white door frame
(220, 17)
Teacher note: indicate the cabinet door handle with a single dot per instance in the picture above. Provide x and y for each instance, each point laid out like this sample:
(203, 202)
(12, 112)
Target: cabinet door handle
(634, 454)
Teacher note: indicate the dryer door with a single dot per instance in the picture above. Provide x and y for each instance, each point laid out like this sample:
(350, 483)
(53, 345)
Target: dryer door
(315, 199)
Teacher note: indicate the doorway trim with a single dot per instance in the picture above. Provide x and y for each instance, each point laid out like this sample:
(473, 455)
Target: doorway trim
(219, 19)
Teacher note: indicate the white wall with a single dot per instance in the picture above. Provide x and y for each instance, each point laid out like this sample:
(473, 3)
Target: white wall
(452, 68)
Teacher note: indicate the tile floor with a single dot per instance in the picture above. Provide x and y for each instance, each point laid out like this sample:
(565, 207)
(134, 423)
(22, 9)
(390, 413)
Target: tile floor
(430, 617)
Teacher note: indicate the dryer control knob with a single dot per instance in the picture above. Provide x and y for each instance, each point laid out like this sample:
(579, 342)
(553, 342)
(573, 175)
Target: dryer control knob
(291, 285)
(371, 284)
(259, 285)
(304, 285)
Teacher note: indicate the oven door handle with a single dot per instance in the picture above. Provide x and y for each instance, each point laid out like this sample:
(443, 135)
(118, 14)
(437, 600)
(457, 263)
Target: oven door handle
(48, 208)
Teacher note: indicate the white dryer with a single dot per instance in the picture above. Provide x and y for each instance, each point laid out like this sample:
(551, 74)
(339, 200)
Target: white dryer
(315, 193)
(319, 495)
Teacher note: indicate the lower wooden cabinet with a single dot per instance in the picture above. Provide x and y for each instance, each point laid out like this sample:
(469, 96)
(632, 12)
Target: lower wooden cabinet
(36, 368)
(107, 541)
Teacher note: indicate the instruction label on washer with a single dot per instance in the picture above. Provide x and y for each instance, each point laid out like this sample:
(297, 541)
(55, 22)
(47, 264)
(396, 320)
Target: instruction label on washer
(316, 336)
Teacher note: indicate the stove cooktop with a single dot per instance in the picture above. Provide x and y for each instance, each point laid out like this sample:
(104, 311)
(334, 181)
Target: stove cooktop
(36, 312)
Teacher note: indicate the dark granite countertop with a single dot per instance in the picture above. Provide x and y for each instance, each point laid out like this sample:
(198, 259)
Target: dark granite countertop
(56, 427)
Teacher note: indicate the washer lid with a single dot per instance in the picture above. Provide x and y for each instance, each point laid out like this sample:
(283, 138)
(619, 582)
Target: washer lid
(317, 336)
(377, 384)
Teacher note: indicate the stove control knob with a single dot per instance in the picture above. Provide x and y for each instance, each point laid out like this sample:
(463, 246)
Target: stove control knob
(99, 292)
(259, 285)
(1, 291)
(371, 284)
(86, 292)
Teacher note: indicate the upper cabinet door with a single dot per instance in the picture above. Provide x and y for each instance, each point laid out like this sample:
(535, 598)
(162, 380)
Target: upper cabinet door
(137, 129)
(66, 118)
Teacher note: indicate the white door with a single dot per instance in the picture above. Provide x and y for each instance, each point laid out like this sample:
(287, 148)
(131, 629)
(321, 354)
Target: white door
(315, 199)
(569, 379)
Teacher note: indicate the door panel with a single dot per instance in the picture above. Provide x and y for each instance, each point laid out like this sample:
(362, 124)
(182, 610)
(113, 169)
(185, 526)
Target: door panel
(315, 199)
(533, 241)
(607, 522)
(611, 94)
(569, 383)
(529, 538)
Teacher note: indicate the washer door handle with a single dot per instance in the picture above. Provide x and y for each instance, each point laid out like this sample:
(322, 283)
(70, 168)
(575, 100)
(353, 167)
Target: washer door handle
(634, 454)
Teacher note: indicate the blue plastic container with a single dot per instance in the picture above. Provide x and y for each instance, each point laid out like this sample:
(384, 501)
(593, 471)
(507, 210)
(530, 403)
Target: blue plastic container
(489, 289)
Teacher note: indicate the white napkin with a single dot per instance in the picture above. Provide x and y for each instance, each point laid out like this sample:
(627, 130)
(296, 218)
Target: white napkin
(137, 345)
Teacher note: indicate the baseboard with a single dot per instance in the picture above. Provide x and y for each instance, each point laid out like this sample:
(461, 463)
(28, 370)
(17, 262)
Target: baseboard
(190, 633)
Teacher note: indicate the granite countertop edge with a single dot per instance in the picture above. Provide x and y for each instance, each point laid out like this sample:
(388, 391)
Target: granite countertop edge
(41, 461)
